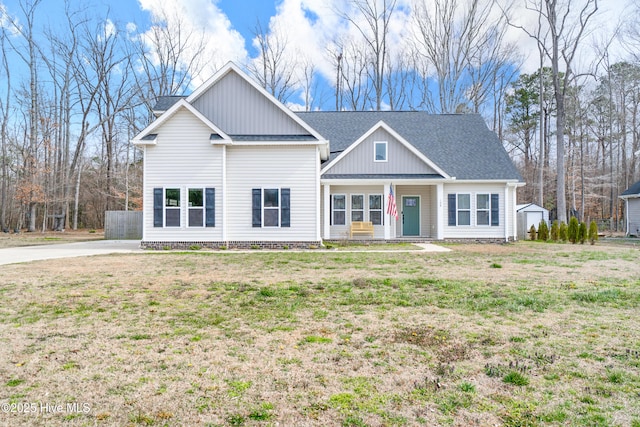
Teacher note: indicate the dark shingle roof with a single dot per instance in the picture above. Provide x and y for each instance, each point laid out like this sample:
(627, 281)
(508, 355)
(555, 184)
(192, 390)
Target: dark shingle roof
(163, 103)
(460, 144)
(633, 190)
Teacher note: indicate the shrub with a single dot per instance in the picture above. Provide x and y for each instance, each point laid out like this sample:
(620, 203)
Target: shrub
(532, 232)
(572, 232)
(543, 231)
(555, 231)
(593, 232)
(582, 233)
(562, 233)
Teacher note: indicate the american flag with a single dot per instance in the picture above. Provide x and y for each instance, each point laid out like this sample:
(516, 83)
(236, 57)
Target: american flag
(392, 209)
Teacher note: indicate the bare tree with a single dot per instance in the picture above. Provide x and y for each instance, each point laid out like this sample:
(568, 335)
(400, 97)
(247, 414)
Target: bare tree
(465, 46)
(31, 190)
(273, 68)
(566, 35)
(4, 110)
(377, 16)
(355, 85)
(169, 55)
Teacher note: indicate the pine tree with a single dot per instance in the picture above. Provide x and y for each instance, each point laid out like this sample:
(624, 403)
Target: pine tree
(555, 231)
(572, 232)
(593, 232)
(582, 233)
(543, 231)
(563, 232)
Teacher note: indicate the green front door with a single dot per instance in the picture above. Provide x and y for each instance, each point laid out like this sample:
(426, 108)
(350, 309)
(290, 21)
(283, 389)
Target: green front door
(410, 215)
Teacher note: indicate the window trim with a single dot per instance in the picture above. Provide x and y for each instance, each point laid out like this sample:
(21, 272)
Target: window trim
(458, 210)
(334, 210)
(271, 208)
(381, 209)
(202, 208)
(487, 209)
(352, 210)
(173, 208)
(375, 151)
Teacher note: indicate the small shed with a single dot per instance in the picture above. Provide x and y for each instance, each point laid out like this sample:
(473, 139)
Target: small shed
(529, 214)
(631, 197)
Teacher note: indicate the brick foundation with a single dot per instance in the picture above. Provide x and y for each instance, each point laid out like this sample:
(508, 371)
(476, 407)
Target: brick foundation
(229, 245)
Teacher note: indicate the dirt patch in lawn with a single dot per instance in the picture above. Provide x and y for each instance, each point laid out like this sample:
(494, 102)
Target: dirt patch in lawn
(519, 334)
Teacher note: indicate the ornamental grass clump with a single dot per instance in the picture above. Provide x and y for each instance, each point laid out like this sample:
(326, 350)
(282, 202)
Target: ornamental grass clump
(532, 232)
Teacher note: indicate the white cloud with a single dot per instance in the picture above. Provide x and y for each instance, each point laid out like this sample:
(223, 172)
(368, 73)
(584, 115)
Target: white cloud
(223, 44)
(313, 26)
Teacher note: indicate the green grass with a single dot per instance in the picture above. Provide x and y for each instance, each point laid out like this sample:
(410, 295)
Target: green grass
(331, 338)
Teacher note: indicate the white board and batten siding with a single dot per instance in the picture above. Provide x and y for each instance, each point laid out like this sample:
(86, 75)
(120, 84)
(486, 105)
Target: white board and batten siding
(340, 232)
(183, 158)
(428, 203)
(481, 231)
(238, 108)
(273, 166)
(360, 160)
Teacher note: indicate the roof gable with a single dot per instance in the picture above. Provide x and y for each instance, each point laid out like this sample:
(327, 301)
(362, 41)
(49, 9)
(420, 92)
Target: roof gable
(403, 157)
(146, 136)
(240, 106)
(460, 144)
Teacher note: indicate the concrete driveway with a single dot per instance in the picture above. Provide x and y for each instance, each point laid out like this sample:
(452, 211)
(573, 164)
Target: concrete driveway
(67, 250)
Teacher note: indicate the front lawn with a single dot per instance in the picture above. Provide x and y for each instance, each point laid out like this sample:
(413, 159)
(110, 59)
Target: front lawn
(519, 334)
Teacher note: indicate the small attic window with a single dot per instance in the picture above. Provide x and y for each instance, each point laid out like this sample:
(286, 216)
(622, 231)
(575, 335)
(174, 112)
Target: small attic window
(380, 151)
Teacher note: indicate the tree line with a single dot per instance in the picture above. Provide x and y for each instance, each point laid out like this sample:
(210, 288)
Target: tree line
(74, 96)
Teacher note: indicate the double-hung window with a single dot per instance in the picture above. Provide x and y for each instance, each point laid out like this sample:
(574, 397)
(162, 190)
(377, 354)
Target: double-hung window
(357, 207)
(375, 209)
(487, 209)
(196, 207)
(271, 207)
(200, 209)
(172, 207)
(339, 209)
(483, 209)
(464, 209)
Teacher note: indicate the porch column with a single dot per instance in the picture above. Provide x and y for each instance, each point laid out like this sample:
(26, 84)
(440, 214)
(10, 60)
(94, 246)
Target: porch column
(506, 213)
(387, 218)
(326, 226)
(440, 211)
(224, 194)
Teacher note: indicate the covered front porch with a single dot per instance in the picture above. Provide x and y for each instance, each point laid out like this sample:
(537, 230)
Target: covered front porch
(419, 206)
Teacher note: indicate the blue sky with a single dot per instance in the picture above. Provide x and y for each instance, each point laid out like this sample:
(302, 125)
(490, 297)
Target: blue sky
(309, 26)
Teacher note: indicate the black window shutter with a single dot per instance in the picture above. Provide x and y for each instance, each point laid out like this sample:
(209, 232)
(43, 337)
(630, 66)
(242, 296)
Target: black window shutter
(210, 207)
(452, 209)
(495, 209)
(285, 209)
(157, 207)
(256, 207)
